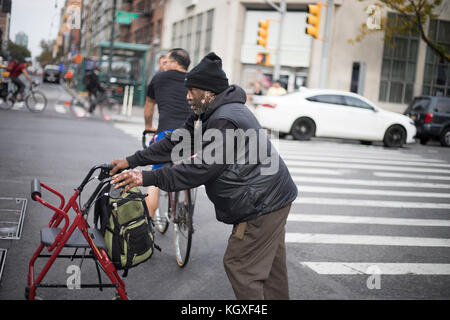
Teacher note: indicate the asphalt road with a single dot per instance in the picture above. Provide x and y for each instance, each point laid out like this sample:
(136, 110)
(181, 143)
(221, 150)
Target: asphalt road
(370, 222)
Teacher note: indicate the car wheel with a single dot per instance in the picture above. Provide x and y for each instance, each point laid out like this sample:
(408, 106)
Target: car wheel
(394, 137)
(303, 129)
(445, 137)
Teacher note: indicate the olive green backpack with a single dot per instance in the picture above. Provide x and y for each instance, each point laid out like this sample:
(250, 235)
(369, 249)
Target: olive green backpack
(126, 227)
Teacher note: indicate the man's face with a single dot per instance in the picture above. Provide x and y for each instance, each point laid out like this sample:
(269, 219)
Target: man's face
(199, 100)
(163, 64)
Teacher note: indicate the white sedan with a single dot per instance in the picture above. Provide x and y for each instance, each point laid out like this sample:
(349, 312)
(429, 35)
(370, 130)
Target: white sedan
(333, 114)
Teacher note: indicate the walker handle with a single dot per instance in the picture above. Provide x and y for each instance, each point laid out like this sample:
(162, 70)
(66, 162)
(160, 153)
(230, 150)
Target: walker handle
(35, 189)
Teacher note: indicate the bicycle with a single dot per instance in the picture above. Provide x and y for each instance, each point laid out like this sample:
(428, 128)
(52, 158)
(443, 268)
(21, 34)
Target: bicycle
(78, 235)
(108, 106)
(35, 100)
(176, 208)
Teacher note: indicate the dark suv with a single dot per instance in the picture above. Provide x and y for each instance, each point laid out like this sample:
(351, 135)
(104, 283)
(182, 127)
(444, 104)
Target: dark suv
(431, 116)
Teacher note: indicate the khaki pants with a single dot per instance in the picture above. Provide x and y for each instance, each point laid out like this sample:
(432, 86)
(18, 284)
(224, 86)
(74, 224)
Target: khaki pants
(255, 259)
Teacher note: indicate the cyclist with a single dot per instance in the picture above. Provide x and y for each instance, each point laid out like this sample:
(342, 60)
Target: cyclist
(167, 91)
(95, 90)
(15, 69)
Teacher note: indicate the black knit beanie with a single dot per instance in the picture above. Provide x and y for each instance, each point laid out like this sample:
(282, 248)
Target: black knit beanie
(207, 75)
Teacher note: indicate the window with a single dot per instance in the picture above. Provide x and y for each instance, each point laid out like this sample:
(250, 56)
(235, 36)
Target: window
(436, 81)
(327, 98)
(355, 102)
(208, 31)
(419, 104)
(189, 33)
(443, 105)
(399, 66)
(198, 33)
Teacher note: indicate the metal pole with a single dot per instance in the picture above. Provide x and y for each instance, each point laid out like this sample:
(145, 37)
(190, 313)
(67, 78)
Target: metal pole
(111, 41)
(326, 45)
(282, 11)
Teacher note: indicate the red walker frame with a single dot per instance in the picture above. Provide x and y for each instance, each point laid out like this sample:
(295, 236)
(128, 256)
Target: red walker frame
(80, 223)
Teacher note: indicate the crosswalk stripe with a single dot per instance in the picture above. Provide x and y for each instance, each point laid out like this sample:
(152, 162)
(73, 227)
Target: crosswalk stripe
(371, 203)
(322, 218)
(353, 239)
(373, 183)
(366, 161)
(345, 155)
(349, 268)
(408, 175)
(372, 192)
(60, 108)
(315, 171)
(362, 166)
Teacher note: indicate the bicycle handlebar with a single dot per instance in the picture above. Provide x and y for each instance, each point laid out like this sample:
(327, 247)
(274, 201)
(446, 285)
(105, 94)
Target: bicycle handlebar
(144, 137)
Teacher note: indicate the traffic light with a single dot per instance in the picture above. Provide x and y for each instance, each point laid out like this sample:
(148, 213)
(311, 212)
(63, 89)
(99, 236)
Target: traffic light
(263, 58)
(263, 32)
(313, 20)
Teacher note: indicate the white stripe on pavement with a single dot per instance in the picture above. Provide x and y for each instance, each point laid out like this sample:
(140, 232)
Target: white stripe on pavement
(412, 176)
(60, 108)
(322, 218)
(373, 183)
(316, 171)
(367, 161)
(371, 203)
(359, 156)
(363, 166)
(372, 192)
(325, 238)
(349, 268)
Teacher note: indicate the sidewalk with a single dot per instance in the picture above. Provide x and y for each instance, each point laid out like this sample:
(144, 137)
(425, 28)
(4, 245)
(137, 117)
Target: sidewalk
(136, 116)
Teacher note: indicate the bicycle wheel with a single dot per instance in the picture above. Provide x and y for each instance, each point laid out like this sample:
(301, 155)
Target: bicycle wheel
(162, 213)
(78, 108)
(36, 101)
(109, 108)
(183, 227)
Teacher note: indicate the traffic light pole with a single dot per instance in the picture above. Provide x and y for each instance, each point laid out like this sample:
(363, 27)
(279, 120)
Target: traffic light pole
(111, 41)
(326, 45)
(282, 10)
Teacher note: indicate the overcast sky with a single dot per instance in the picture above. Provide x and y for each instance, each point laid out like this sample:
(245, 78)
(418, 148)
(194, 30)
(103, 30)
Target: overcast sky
(39, 19)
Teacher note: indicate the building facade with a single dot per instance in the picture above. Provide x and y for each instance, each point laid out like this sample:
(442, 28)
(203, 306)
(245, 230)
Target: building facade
(389, 74)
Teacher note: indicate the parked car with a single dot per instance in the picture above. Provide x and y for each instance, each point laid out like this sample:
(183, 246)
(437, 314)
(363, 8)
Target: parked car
(51, 74)
(431, 116)
(333, 114)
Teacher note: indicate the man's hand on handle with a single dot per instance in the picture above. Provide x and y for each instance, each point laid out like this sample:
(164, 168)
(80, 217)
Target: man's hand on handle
(128, 178)
(119, 165)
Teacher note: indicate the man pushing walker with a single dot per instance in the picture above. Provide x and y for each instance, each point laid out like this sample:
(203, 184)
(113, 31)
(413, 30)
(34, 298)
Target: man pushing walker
(249, 184)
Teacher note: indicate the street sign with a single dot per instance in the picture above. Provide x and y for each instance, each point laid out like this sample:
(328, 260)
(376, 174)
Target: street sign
(124, 17)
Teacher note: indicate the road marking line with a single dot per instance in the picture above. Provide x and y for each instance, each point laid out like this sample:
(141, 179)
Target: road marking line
(322, 218)
(372, 192)
(366, 161)
(359, 156)
(356, 239)
(371, 203)
(60, 108)
(350, 268)
(315, 171)
(407, 175)
(338, 165)
(373, 183)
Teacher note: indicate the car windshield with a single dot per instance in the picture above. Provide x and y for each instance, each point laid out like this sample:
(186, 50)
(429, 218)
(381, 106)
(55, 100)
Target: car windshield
(418, 105)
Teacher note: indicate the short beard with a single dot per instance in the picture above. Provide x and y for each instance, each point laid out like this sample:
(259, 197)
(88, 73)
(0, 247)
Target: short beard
(204, 102)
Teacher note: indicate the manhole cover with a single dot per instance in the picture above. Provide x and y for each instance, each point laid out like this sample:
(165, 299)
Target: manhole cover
(12, 213)
(2, 261)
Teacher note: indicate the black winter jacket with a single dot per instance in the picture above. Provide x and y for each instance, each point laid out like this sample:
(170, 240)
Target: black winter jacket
(243, 182)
